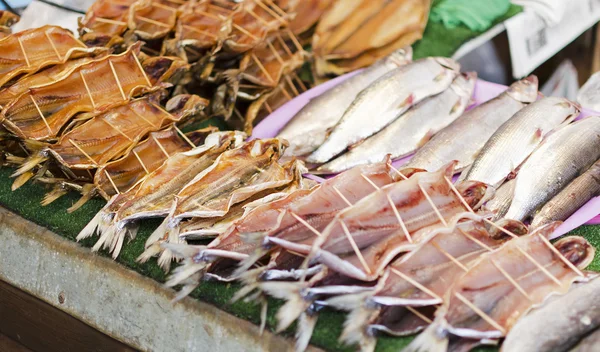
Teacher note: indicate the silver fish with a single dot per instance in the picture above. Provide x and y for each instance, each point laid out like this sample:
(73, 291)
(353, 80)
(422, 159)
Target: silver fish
(500, 203)
(571, 198)
(558, 160)
(309, 128)
(385, 100)
(413, 129)
(517, 138)
(589, 343)
(559, 323)
(465, 137)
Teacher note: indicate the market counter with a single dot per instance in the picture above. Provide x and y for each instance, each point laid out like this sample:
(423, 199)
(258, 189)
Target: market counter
(115, 300)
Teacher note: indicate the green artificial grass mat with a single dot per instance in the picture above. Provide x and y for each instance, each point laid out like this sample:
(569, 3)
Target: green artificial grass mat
(26, 202)
(440, 41)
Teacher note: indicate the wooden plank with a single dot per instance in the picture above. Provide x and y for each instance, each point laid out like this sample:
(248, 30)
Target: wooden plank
(8, 344)
(41, 327)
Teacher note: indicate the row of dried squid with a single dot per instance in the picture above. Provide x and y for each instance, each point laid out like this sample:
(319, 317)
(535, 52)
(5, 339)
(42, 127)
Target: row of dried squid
(400, 249)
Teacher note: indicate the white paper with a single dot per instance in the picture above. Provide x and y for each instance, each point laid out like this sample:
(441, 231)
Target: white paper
(532, 42)
(38, 14)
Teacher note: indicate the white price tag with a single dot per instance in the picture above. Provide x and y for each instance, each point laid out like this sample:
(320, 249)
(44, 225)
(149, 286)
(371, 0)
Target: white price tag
(532, 42)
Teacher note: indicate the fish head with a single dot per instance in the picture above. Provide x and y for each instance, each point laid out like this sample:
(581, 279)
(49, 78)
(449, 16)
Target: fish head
(512, 227)
(272, 147)
(165, 69)
(464, 84)
(525, 90)
(400, 57)
(576, 250)
(473, 192)
(571, 108)
(186, 105)
(448, 63)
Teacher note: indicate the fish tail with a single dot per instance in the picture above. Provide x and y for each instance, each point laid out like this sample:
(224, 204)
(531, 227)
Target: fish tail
(247, 263)
(104, 239)
(91, 227)
(430, 340)
(21, 180)
(56, 192)
(187, 274)
(362, 311)
(87, 192)
(30, 163)
(150, 251)
(305, 328)
(167, 256)
(250, 279)
(295, 303)
(158, 234)
(117, 241)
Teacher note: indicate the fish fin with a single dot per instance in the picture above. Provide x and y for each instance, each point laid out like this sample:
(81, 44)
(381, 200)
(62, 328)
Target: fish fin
(456, 107)
(104, 239)
(56, 192)
(167, 255)
(250, 279)
(158, 234)
(30, 163)
(183, 250)
(88, 191)
(189, 270)
(368, 343)
(91, 226)
(247, 263)
(21, 180)
(264, 306)
(188, 286)
(440, 77)
(148, 253)
(408, 101)
(537, 135)
(429, 341)
(425, 138)
(304, 329)
(295, 304)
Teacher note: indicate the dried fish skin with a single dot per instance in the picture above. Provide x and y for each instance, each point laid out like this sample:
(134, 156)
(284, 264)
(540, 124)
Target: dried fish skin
(571, 198)
(518, 137)
(152, 19)
(41, 112)
(52, 45)
(463, 139)
(40, 78)
(484, 304)
(411, 130)
(555, 163)
(121, 175)
(540, 330)
(309, 128)
(112, 134)
(408, 84)
(106, 17)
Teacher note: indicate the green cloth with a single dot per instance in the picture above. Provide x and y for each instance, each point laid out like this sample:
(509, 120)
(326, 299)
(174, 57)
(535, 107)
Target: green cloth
(477, 15)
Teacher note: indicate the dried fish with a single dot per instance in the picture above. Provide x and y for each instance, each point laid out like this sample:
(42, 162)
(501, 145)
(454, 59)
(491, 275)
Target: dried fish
(42, 111)
(33, 49)
(155, 193)
(407, 84)
(517, 138)
(152, 19)
(503, 196)
(559, 323)
(121, 175)
(463, 139)
(571, 198)
(588, 343)
(309, 128)
(487, 301)
(411, 130)
(106, 18)
(559, 159)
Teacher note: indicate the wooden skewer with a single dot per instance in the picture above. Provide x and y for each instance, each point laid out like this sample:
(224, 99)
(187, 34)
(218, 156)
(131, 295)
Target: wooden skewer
(399, 218)
(481, 244)
(139, 64)
(418, 314)
(511, 280)
(286, 93)
(294, 40)
(481, 313)
(262, 68)
(284, 45)
(370, 182)
(117, 129)
(308, 226)
(87, 89)
(275, 7)
(185, 138)
(435, 209)
(416, 284)
(540, 266)
(210, 15)
(112, 68)
(241, 29)
(299, 81)
(291, 84)
(341, 196)
(206, 33)
(165, 7)
(238, 114)
(23, 51)
(397, 171)
(268, 107)
(143, 118)
(460, 197)
(41, 114)
(111, 181)
(355, 247)
(106, 20)
(53, 46)
(141, 162)
(148, 20)
(260, 19)
(274, 14)
(83, 152)
(553, 249)
(493, 224)
(160, 146)
(449, 256)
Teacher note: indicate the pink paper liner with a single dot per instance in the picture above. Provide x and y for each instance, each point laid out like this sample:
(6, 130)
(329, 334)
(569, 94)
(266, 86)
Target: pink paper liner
(484, 91)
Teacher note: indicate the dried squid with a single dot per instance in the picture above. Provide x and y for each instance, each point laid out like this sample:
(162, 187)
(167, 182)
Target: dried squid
(486, 302)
